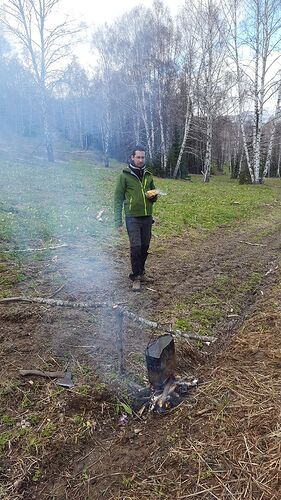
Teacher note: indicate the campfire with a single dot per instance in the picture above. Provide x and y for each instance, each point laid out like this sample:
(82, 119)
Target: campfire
(166, 391)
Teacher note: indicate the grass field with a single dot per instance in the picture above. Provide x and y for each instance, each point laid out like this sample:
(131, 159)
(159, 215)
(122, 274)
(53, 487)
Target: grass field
(40, 202)
(42, 205)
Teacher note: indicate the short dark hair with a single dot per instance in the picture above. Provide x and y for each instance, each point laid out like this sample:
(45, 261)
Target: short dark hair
(137, 148)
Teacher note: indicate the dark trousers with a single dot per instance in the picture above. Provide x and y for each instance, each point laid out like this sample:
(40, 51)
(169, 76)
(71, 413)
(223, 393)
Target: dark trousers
(139, 232)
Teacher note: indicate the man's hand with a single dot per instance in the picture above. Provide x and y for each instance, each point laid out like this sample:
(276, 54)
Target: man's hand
(152, 194)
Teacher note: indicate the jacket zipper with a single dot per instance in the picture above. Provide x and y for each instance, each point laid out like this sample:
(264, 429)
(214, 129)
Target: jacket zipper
(142, 192)
(143, 195)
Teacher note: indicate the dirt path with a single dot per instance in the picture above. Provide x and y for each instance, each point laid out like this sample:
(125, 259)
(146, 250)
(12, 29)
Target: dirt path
(207, 283)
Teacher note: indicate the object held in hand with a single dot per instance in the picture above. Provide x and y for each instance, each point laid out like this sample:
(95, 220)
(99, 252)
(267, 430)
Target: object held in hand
(152, 193)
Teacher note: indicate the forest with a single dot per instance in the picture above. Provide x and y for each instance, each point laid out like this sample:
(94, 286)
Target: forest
(200, 91)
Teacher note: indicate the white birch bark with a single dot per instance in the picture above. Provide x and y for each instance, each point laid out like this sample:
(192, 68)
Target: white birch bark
(162, 143)
(162, 134)
(257, 103)
(279, 162)
(272, 134)
(209, 97)
(240, 163)
(208, 154)
(146, 122)
(188, 116)
(240, 94)
(106, 132)
(152, 127)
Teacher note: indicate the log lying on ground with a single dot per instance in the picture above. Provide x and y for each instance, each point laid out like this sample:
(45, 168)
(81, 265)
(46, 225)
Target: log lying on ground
(106, 305)
(159, 326)
(49, 302)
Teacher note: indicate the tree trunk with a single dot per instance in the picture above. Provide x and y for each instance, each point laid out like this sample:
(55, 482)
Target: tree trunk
(279, 162)
(46, 129)
(272, 135)
(188, 116)
(240, 95)
(151, 124)
(208, 155)
(105, 130)
(162, 134)
(146, 124)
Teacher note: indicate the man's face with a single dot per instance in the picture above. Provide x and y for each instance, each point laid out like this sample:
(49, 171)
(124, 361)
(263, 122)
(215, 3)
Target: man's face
(139, 159)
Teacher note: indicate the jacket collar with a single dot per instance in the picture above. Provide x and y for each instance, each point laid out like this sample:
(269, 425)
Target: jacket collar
(127, 170)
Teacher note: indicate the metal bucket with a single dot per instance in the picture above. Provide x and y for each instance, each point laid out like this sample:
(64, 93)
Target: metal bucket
(160, 360)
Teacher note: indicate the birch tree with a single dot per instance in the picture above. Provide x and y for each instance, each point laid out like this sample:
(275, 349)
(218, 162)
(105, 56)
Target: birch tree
(274, 121)
(74, 93)
(211, 28)
(255, 48)
(103, 41)
(45, 44)
(164, 54)
(188, 46)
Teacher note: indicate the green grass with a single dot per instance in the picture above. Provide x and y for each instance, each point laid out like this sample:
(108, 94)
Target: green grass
(43, 202)
(43, 205)
(198, 319)
(221, 202)
(40, 203)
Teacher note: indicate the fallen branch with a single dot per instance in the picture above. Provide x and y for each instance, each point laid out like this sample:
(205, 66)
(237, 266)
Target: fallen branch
(252, 244)
(158, 326)
(271, 270)
(58, 290)
(121, 309)
(42, 249)
(50, 302)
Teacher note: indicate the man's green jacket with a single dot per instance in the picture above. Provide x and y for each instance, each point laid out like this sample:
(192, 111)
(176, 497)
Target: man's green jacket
(130, 190)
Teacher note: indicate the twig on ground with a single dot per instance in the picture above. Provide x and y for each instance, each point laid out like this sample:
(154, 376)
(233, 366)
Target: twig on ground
(251, 244)
(58, 290)
(42, 249)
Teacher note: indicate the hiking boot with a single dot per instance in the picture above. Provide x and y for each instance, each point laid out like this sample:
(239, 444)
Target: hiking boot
(136, 285)
(145, 278)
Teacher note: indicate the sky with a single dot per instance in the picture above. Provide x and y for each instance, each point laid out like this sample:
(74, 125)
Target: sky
(99, 12)
(95, 13)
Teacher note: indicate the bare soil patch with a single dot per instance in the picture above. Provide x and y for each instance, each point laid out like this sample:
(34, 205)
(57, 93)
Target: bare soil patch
(223, 442)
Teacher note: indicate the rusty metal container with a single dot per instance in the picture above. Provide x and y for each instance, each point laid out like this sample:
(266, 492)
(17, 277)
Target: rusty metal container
(160, 360)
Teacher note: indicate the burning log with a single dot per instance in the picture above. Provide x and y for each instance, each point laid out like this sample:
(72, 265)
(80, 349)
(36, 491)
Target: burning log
(166, 391)
(160, 399)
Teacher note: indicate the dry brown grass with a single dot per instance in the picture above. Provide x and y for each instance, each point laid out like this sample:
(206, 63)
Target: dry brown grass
(233, 446)
(225, 442)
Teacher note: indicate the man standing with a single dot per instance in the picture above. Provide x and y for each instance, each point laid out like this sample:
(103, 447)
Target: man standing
(133, 190)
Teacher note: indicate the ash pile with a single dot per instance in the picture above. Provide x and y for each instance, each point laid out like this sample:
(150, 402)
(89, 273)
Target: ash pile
(166, 391)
